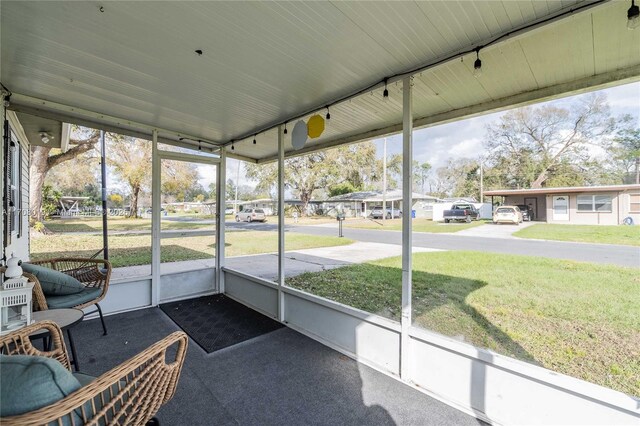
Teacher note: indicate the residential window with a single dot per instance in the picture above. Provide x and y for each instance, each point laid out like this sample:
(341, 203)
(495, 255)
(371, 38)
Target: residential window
(594, 203)
(634, 203)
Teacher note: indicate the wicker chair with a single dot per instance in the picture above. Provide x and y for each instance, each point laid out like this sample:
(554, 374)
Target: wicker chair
(130, 393)
(93, 273)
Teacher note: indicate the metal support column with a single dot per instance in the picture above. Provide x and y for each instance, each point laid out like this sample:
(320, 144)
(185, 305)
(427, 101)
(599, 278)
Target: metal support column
(221, 196)
(407, 193)
(155, 220)
(103, 176)
(281, 272)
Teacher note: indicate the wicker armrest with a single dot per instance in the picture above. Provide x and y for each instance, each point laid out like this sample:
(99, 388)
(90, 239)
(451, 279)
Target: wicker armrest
(19, 343)
(130, 393)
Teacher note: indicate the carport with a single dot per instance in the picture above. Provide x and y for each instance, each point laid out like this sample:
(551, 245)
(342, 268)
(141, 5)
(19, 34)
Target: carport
(232, 79)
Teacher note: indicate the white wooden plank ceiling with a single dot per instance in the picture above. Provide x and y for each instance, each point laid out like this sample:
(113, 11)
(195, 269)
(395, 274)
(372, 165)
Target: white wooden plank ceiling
(265, 62)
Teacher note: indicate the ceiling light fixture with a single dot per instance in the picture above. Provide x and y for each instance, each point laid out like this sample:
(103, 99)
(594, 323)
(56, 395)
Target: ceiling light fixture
(633, 16)
(254, 139)
(385, 93)
(285, 128)
(45, 137)
(199, 145)
(328, 116)
(477, 65)
(199, 52)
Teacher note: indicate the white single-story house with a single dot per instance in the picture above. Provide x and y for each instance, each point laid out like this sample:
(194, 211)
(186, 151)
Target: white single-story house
(579, 205)
(355, 204)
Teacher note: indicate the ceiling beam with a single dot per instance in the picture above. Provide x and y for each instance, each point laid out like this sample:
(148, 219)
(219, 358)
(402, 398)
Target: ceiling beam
(596, 82)
(64, 118)
(69, 114)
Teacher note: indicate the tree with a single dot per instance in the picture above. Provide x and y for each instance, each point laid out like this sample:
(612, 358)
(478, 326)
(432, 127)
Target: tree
(116, 200)
(459, 178)
(82, 140)
(355, 165)
(626, 150)
(341, 188)
(130, 158)
(421, 173)
(543, 142)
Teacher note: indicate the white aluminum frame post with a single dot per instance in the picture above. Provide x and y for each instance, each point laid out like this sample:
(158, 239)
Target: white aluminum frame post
(221, 197)
(156, 187)
(281, 271)
(407, 194)
(156, 195)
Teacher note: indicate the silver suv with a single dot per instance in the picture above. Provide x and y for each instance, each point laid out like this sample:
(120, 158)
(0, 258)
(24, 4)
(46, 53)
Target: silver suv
(376, 213)
(251, 215)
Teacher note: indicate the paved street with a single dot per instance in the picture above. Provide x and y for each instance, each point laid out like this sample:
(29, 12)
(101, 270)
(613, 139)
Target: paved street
(598, 253)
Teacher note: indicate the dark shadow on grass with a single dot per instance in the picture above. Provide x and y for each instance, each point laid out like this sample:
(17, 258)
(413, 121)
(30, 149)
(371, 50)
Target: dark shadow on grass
(439, 302)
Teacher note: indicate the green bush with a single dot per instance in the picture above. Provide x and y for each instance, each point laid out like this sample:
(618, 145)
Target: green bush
(50, 200)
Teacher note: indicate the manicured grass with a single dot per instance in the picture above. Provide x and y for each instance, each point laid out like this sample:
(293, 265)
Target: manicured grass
(603, 234)
(579, 319)
(135, 249)
(419, 225)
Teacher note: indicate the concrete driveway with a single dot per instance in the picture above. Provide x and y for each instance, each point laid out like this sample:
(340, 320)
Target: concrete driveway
(317, 259)
(492, 230)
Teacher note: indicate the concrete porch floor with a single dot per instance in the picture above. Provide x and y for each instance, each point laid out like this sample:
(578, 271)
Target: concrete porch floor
(281, 378)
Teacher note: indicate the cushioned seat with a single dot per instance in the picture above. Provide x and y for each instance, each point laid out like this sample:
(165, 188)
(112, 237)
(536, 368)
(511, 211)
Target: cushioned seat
(32, 382)
(52, 282)
(72, 300)
(38, 387)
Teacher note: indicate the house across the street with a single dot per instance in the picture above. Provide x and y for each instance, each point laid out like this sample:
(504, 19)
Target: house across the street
(580, 205)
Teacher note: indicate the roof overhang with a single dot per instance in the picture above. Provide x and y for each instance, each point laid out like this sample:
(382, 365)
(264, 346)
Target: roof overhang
(131, 70)
(562, 190)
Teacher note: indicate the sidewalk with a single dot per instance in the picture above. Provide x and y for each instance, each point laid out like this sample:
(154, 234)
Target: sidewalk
(266, 265)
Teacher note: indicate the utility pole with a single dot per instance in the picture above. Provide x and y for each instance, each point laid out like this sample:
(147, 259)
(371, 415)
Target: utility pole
(637, 170)
(384, 180)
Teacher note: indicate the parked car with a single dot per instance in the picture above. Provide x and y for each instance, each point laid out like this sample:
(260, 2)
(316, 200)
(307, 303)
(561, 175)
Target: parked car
(251, 215)
(527, 212)
(507, 214)
(461, 212)
(228, 211)
(376, 213)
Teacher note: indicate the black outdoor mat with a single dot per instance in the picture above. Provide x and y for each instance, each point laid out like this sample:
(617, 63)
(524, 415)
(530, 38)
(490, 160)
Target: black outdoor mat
(216, 322)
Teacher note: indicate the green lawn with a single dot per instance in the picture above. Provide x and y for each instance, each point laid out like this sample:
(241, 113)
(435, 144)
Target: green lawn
(94, 224)
(129, 250)
(603, 234)
(419, 225)
(576, 318)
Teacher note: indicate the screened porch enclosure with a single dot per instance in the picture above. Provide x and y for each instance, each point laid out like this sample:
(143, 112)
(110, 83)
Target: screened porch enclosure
(234, 90)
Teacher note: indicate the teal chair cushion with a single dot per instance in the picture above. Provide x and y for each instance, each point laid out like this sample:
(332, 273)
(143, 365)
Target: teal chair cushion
(54, 283)
(32, 382)
(71, 300)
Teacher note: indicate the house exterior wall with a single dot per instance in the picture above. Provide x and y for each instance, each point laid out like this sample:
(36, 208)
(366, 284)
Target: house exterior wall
(630, 205)
(614, 217)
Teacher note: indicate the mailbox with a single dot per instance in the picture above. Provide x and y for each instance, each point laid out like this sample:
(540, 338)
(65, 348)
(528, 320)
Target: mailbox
(340, 216)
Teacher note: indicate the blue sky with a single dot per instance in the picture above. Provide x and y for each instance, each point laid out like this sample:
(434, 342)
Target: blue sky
(464, 138)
